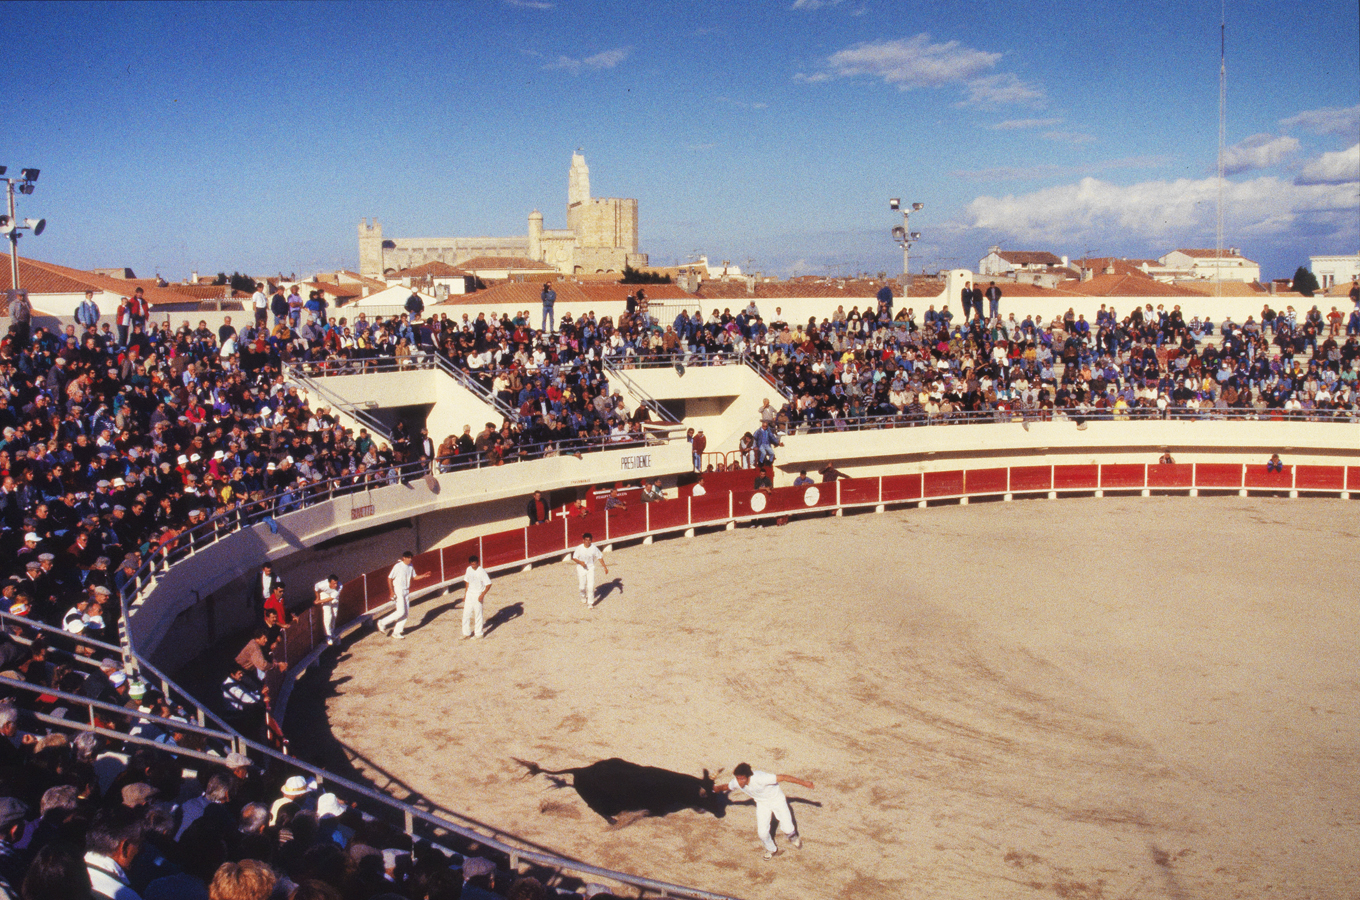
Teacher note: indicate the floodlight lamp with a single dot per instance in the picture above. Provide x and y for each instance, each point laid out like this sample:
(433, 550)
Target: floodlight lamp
(2, 170)
(899, 233)
(917, 207)
(30, 174)
(916, 235)
(894, 203)
(26, 188)
(6, 226)
(38, 225)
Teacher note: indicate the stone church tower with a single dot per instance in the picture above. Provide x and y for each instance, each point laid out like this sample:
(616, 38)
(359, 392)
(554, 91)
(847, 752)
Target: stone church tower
(601, 237)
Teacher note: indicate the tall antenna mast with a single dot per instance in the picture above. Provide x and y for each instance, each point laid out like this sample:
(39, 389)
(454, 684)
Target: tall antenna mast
(1222, 137)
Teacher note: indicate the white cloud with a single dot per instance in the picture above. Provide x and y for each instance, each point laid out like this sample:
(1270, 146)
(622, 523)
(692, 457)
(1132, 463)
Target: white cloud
(1074, 138)
(607, 59)
(1182, 211)
(910, 63)
(742, 104)
(1260, 151)
(1050, 170)
(814, 4)
(530, 4)
(1338, 167)
(1021, 124)
(1343, 120)
(1006, 87)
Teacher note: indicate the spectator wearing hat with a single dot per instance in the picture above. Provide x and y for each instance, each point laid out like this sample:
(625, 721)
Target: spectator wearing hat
(13, 816)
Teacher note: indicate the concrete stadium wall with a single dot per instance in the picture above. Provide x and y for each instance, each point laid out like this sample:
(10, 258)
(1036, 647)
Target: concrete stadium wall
(201, 599)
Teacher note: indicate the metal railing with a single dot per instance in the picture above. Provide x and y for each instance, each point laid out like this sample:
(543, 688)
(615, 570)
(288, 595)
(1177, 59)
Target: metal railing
(614, 372)
(362, 416)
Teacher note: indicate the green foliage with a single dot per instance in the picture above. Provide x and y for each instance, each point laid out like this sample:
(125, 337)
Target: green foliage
(243, 283)
(1305, 282)
(221, 279)
(633, 276)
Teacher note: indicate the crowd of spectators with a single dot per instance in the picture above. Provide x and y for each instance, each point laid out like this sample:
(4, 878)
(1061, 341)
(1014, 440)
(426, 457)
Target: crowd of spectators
(89, 817)
(853, 368)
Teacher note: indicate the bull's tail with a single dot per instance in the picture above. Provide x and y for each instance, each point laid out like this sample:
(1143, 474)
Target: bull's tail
(533, 768)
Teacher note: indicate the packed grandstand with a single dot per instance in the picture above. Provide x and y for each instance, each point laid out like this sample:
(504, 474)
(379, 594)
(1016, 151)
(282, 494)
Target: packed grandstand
(121, 446)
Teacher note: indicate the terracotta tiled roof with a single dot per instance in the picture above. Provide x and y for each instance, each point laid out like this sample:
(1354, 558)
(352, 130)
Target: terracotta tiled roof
(436, 268)
(1030, 257)
(504, 262)
(339, 291)
(1207, 254)
(528, 293)
(1208, 288)
(1118, 285)
(201, 291)
(1098, 265)
(48, 278)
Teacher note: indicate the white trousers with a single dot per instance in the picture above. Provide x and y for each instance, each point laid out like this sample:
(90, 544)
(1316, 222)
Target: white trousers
(472, 616)
(780, 810)
(328, 613)
(397, 617)
(585, 579)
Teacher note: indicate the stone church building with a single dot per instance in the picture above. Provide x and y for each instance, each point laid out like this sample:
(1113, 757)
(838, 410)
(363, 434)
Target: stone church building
(601, 236)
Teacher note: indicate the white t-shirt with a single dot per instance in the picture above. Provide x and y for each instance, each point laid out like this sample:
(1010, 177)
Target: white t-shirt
(328, 593)
(401, 576)
(477, 581)
(588, 555)
(762, 787)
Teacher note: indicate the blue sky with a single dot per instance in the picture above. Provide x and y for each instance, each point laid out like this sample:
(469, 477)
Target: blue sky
(255, 136)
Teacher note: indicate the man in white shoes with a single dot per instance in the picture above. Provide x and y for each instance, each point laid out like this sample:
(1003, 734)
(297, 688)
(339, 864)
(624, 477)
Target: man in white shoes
(399, 589)
(478, 583)
(763, 787)
(585, 557)
(327, 592)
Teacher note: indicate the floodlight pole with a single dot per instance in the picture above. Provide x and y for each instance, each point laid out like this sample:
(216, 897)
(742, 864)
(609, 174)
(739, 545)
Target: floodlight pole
(13, 238)
(904, 236)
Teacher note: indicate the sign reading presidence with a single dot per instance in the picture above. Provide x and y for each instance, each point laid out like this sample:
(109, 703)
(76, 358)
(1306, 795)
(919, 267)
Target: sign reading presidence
(638, 461)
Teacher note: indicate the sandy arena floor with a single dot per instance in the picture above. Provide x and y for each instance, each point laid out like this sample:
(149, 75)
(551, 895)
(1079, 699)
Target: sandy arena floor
(1118, 698)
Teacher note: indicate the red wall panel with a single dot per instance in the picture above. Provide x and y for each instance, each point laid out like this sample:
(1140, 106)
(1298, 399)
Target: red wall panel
(944, 484)
(1257, 477)
(901, 487)
(986, 481)
(1320, 478)
(668, 513)
(858, 490)
(501, 548)
(1170, 476)
(1076, 478)
(1121, 476)
(546, 538)
(628, 521)
(1218, 475)
(1031, 478)
(708, 508)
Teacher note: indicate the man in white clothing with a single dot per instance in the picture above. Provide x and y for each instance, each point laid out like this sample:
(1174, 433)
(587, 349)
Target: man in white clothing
(327, 592)
(585, 557)
(478, 583)
(763, 787)
(111, 844)
(399, 589)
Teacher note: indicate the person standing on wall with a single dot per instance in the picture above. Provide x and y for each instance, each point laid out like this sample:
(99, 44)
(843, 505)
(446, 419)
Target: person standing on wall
(993, 301)
(549, 297)
(478, 585)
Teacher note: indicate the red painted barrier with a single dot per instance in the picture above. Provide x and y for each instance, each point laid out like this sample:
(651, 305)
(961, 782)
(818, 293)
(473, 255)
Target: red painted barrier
(632, 520)
(547, 538)
(1319, 478)
(1031, 478)
(901, 487)
(668, 513)
(592, 523)
(1116, 477)
(1171, 475)
(857, 490)
(986, 481)
(1218, 475)
(1076, 477)
(1259, 479)
(944, 484)
(501, 548)
(708, 507)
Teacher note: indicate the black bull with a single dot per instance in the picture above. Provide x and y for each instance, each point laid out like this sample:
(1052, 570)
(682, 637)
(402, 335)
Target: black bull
(621, 791)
